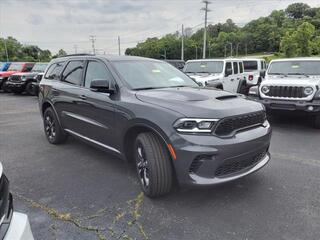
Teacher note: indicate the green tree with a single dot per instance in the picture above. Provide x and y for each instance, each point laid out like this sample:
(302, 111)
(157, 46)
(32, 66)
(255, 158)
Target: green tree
(297, 10)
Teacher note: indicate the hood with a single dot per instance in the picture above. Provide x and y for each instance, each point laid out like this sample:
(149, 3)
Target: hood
(27, 74)
(199, 102)
(7, 73)
(204, 77)
(292, 81)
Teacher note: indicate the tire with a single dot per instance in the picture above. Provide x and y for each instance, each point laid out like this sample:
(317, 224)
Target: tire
(30, 89)
(316, 122)
(153, 165)
(4, 87)
(243, 89)
(52, 128)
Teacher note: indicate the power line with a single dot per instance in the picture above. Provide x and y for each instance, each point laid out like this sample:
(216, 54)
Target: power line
(206, 10)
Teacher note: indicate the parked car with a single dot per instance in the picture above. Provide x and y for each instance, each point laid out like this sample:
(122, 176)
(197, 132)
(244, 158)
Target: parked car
(26, 81)
(255, 70)
(226, 74)
(13, 225)
(4, 66)
(14, 67)
(176, 63)
(149, 112)
(291, 85)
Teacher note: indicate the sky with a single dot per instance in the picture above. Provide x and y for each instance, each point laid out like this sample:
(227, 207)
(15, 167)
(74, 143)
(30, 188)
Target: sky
(68, 24)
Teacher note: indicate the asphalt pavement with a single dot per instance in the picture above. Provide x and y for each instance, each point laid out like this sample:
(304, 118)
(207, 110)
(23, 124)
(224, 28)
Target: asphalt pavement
(76, 191)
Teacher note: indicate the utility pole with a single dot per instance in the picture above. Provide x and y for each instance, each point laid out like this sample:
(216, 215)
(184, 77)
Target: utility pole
(6, 49)
(196, 52)
(206, 10)
(93, 39)
(182, 43)
(246, 49)
(230, 48)
(75, 49)
(225, 51)
(119, 45)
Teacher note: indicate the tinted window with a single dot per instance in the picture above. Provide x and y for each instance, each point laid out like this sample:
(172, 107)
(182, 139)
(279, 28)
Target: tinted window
(204, 67)
(250, 66)
(295, 68)
(54, 71)
(228, 67)
(96, 71)
(235, 67)
(29, 67)
(73, 72)
(241, 67)
(152, 74)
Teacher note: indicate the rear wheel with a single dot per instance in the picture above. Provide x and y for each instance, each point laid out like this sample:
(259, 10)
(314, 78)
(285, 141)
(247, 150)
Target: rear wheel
(4, 86)
(52, 128)
(153, 165)
(30, 89)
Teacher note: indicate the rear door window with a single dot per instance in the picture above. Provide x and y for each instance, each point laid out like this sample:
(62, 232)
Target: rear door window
(228, 67)
(73, 72)
(235, 68)
(241, 67)
(250, 66)
(54, 71)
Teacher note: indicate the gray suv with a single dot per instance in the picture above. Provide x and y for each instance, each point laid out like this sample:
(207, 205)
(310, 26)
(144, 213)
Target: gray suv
(148, 112)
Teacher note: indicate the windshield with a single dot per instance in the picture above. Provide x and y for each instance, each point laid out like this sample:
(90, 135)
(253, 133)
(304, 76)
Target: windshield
(15, 67)
(39, 67)
(295, 68)
(2, 66)
(250, 66)
(204, 67)
(152, 74)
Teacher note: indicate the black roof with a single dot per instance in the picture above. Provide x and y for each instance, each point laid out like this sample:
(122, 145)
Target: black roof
(105, 57)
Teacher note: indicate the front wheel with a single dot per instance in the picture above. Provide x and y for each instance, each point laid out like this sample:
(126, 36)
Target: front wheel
(52, 128)
(153, 165)
(30, 89)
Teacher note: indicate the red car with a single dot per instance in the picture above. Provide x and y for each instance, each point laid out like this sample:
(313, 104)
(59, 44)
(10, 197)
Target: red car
(15, 67)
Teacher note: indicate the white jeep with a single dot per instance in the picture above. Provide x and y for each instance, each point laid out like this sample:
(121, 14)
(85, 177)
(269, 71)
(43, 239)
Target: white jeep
(226, 74)
(255, 69)
(291, 85)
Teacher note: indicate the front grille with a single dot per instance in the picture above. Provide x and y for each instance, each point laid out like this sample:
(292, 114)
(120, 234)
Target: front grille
(15, 78)
(286, 91)
(231, 167)
(230, 125)
(39, 77)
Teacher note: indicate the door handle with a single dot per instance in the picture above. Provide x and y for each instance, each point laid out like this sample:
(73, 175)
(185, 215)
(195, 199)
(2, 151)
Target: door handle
(83, 97)
(232, 80)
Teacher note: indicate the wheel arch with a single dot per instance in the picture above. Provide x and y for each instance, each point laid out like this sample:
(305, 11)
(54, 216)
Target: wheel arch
(47, 104)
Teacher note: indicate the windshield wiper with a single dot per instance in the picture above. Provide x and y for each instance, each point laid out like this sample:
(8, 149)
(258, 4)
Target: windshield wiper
(147, 88)
(283, 74)
(301, 74)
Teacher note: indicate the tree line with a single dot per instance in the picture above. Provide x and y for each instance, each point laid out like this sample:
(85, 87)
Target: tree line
(14, 51)
(292, 32)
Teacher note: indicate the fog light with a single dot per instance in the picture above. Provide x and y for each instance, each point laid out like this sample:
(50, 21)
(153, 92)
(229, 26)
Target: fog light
(310, 108)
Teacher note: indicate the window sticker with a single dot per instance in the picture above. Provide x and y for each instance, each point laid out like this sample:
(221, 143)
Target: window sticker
(176, 79)
(295, 66)
(156, 71)
(203, 65)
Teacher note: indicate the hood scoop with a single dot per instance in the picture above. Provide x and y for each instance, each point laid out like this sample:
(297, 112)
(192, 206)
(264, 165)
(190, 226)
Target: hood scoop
(226, 97)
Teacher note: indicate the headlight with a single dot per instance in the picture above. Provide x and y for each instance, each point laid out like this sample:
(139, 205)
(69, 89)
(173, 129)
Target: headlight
(254, 91)
(308, 91)
(265, 89)
(23, 78)
(194, 125)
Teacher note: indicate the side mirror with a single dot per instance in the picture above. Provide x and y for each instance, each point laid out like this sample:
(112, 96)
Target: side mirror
(101, 85)
(228, 72)
(262, 73)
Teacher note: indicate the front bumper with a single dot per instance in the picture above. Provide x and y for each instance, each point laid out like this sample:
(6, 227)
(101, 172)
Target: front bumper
(290, 105)
(15, 86)
(208, 160)
(19, 228)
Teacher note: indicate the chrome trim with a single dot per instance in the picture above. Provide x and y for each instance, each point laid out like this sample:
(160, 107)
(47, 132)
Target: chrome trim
(306, 98)
(2, 219)
(84, 119)
(93, 141)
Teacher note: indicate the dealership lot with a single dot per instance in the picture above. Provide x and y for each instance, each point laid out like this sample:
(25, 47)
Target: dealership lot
(75, 191)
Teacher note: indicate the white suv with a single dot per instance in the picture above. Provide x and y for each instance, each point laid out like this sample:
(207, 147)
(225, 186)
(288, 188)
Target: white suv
(226, 74)
(291, 84)
(255, 69)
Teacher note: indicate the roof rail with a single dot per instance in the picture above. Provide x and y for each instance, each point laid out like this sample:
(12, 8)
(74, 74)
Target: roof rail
(79, 54)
